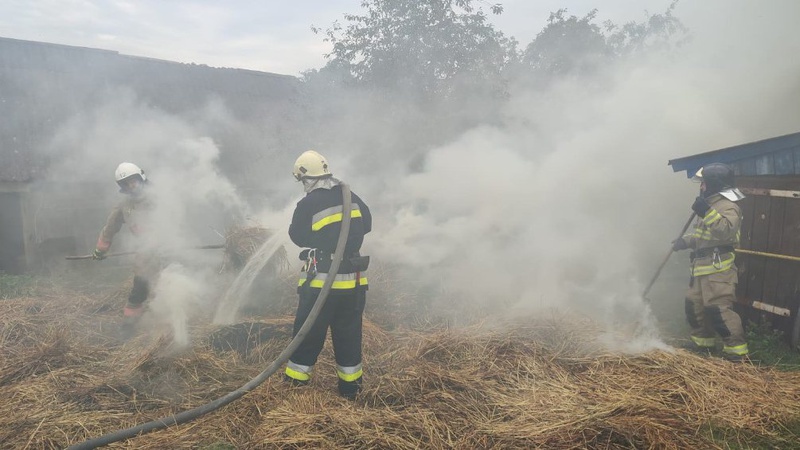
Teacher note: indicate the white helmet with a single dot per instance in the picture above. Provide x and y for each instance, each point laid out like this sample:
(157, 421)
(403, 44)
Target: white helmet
(127, 170)
(310, 165)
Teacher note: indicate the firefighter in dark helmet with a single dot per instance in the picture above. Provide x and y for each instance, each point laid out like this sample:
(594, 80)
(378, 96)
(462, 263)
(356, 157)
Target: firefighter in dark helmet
(711, 294)
(316, 224)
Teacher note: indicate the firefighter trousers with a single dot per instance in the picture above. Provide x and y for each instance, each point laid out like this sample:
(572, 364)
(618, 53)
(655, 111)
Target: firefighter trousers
(709, 310)
(147, 266)
(342, 312)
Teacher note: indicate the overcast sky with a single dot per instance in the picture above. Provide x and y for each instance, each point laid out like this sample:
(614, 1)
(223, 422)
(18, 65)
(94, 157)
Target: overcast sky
(267, 35)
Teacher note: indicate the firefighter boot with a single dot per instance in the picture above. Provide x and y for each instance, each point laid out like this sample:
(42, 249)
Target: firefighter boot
(349, 389)
(131, 316)
(702, 346)
(295, 382)
(705, 352)
(739, 359)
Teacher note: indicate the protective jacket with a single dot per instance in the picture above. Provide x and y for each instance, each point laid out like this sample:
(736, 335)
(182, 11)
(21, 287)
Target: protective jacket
(715, 237)
(130, 211)
(147, 264)
(316, 223)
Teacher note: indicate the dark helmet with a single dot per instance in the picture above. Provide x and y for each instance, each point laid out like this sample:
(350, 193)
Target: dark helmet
(717, 176)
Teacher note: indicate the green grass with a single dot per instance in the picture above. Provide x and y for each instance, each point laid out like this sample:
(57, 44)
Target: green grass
(15, 286)
(770, 347)
(786, 436)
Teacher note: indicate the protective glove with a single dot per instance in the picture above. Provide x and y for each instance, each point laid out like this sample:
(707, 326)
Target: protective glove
(98, 254)
(679, 244)
(700, 206)
(304, 254)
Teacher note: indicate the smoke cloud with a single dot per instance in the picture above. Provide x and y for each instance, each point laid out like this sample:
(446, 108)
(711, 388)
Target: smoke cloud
(569, 202)
(190, 201)
(564, 201)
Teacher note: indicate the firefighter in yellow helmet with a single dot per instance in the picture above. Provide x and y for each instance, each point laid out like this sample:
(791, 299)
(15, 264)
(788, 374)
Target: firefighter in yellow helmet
(132, 211)
(712, 288)
(316, 224)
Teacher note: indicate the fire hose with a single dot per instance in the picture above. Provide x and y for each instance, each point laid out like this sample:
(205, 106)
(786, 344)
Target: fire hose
(189, 415)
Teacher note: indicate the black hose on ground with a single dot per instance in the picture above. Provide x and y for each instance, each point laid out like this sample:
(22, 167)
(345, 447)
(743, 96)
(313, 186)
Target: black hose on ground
(189, 415)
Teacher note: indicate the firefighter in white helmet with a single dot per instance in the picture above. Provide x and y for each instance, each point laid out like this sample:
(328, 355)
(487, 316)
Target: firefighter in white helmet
(712, 288)
(316, 224)
(132, 211)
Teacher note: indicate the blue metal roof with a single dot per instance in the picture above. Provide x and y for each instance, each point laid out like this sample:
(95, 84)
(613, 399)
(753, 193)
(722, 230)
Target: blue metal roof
(774, 156)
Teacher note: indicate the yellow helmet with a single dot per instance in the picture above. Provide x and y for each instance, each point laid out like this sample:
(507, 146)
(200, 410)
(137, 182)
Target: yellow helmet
(310, 165)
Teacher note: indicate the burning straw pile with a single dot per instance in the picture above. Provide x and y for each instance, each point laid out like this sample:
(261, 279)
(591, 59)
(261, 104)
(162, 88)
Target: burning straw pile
(541, 385)
(241, 243)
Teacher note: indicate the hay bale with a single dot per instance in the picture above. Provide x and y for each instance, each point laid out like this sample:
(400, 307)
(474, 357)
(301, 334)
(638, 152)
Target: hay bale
(241, 243)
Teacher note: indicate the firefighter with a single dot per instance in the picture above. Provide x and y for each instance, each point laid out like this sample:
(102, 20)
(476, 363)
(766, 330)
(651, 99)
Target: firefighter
(132, 211)
(711, 295)
(316, 224)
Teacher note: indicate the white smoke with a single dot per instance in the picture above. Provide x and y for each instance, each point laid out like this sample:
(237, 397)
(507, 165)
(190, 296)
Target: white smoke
(179, 296)
(567, 201)
(570, 202)
(189, 196)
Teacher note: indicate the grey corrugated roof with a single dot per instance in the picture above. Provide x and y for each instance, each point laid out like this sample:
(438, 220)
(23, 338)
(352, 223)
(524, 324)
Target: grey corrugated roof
(779, 155)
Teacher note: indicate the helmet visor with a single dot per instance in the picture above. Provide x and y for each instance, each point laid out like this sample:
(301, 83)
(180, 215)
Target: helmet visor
(698, 176)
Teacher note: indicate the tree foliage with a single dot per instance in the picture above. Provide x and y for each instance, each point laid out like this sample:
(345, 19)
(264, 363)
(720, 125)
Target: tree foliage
(399, 63)
(436, 48)
(426, 47)
(569, 45)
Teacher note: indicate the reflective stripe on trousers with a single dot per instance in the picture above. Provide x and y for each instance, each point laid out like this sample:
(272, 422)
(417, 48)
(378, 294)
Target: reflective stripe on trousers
(298, 371)
(739, 350)
(351, 373)
(703, 342)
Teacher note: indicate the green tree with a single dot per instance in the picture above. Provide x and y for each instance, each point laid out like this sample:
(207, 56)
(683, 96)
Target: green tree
(421, 48)
(569, 45)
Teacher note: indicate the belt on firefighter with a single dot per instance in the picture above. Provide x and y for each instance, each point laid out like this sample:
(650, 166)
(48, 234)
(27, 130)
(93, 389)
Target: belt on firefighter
(703, 252)
(359, 264)
(312, 256)
(321, 255)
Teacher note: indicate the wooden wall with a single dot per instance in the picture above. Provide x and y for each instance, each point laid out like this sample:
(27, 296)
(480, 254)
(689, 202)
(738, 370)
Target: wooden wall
(771, 224)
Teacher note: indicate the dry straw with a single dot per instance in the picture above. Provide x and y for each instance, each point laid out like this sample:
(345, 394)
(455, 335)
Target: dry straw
(64, 378)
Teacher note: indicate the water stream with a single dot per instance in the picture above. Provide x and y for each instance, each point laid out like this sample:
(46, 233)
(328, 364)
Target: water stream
(237, 293)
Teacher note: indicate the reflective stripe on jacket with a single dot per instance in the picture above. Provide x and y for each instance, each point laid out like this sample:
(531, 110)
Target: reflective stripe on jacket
(316, 223)
(332, 215)
(342, 280)
(720, 227)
